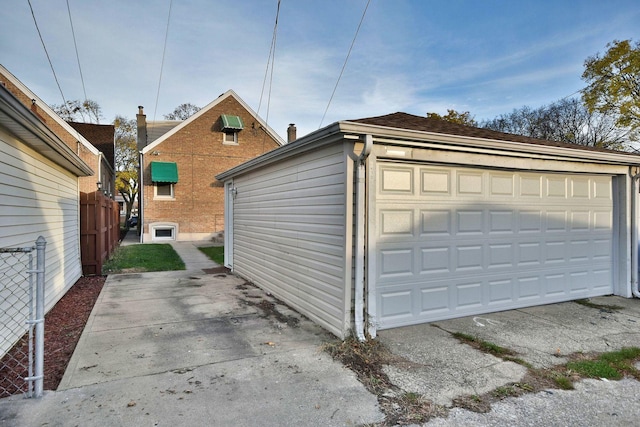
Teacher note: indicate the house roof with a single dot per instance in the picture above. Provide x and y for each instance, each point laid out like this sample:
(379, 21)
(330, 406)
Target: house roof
(401, 120)
(158, 128)
(409, 130)
(180, 125)
(100, 136)
(23, 123)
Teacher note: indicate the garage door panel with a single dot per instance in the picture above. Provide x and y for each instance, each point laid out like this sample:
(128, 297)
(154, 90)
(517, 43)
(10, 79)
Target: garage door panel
(473, 241)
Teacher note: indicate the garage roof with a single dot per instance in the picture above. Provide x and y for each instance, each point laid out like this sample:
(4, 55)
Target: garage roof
(402, 120)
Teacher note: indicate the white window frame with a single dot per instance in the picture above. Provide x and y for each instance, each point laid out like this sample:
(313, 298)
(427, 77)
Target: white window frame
(153, 227)
(157, 196)
(226, 132)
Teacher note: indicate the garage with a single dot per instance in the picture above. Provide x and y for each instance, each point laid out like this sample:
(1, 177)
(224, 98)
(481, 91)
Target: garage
(455, 241)
(396, 220)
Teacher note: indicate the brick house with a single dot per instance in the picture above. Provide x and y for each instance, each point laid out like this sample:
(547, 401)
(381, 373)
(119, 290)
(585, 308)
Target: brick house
(179, 197)
(80, 137)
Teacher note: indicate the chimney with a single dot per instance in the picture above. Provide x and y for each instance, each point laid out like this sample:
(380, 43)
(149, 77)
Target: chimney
(142, 128)
(291, 132)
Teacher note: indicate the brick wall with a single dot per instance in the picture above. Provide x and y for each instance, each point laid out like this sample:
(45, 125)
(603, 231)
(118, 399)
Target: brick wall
(198, 150)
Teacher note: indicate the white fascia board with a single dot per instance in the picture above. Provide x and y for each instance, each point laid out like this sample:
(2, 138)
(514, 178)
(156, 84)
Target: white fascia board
(208, 107)
(40, 103)
(424, 139)
(23, 123)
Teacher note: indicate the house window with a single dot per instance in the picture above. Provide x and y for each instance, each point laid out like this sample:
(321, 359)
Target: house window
(164, 175)
(163, 231)
(163, 190)
(230, 137)
(231, 126)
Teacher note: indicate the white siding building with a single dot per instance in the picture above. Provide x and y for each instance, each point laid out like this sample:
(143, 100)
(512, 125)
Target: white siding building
(397, 220)
(39, 195)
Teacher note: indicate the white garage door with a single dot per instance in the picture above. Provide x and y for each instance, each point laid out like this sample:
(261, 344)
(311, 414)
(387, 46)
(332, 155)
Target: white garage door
(453, 241)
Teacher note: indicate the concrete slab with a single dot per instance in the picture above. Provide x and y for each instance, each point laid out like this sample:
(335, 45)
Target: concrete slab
(297, 388)
(441, 368)
(545, 335)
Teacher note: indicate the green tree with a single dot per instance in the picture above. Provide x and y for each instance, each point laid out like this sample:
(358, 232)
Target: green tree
(127, 161)
(86, 111)
(454, 116)
(614, 84)
(182, 112)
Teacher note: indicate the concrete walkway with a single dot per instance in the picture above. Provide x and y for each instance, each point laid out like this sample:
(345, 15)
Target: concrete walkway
(191, 348)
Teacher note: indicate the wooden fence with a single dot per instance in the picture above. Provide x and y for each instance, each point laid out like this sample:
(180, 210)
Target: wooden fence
(99, 230)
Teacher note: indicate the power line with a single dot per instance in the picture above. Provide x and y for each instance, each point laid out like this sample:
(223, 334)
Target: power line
(164, 50)
(345, 63)
(270, 60)
(76, 47)
(47, 53)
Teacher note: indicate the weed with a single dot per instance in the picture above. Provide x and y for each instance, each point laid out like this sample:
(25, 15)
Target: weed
(563, 382)
(485, 346)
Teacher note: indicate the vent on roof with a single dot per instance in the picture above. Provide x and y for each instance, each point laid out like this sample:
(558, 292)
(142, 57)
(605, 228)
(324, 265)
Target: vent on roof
(231, 122)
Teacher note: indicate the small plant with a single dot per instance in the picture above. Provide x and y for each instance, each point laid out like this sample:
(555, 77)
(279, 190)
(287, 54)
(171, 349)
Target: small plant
(563, 382)
(485, 346)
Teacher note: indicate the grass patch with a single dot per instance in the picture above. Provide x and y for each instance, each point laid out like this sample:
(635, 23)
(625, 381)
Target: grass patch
(215, 253)
(613, 365)
(141, 258)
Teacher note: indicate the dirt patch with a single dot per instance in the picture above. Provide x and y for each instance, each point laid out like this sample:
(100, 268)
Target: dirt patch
(367, 359)
(217, 270)
(63, 326)
(269, 309)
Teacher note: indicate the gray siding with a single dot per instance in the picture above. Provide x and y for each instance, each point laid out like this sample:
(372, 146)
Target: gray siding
(37, 198)
(289, 234)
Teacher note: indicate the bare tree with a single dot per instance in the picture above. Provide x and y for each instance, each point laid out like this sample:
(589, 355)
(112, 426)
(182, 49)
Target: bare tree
(86, 111)
(182, 112)
(567, 120)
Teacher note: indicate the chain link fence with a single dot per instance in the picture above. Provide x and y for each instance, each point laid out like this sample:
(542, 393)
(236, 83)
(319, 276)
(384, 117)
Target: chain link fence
(22, 320)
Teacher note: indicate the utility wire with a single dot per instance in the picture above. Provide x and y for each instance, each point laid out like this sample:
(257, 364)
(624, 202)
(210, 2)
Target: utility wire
(345, 63)
(76, 47)
(47, 53)
(270, 60)
(164, 50)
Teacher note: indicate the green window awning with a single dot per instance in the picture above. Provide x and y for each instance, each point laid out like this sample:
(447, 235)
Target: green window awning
(164, 172)
(231, 122)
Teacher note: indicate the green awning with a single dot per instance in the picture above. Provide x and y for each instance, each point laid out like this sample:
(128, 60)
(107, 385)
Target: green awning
(164, 172)
(231, 122)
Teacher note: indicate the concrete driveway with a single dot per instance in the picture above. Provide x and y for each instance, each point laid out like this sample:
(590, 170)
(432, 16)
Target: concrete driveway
(201, 347)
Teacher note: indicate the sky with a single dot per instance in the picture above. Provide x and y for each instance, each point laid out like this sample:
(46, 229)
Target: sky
(416, 56)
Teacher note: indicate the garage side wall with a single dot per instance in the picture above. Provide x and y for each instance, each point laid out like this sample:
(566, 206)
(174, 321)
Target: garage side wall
(37, 197)
(289, 233)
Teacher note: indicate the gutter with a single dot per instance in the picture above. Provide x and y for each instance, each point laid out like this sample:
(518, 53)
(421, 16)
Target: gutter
(634, 233)
(361, 219)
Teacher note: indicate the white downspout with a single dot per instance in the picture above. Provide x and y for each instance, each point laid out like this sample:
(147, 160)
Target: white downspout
(141, 197)
(634, 233)
(360, 249)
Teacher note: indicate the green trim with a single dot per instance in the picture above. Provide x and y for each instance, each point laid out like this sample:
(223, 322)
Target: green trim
(231, 122)
(164, 172)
